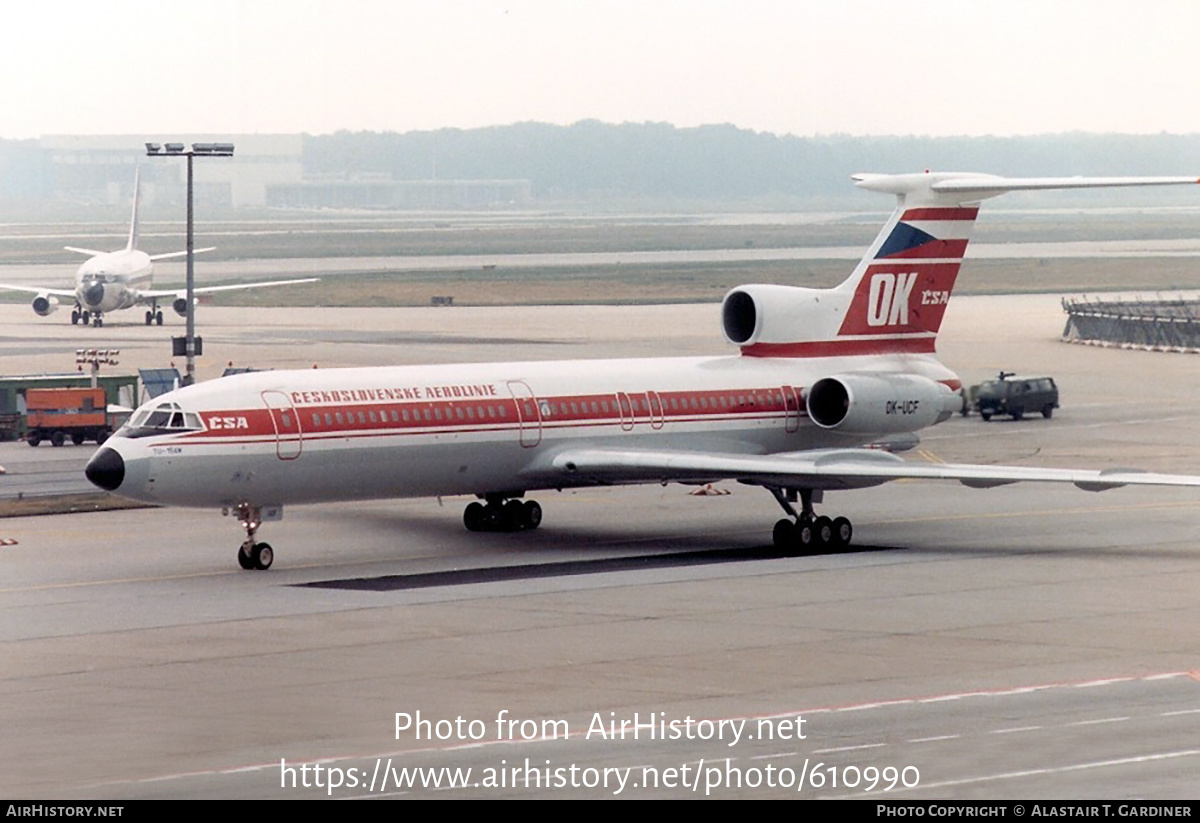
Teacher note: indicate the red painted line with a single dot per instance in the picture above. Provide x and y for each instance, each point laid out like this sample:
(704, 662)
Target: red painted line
(923, 344)
(622, 408)
(940, 213)
(347, 434)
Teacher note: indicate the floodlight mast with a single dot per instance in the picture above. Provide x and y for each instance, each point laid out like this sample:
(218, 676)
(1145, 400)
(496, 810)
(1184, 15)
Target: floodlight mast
(95, 358)
(197, 150)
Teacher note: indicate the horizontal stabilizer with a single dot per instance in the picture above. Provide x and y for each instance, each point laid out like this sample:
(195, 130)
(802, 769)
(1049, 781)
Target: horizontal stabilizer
(949, 188)
(1006, 184)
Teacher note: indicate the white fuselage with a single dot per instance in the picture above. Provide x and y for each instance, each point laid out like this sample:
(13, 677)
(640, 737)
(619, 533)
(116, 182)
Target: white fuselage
(274, 438)
(109, 282)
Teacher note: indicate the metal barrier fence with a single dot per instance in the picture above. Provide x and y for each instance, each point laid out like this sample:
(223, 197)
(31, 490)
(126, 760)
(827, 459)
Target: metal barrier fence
(1155, 325)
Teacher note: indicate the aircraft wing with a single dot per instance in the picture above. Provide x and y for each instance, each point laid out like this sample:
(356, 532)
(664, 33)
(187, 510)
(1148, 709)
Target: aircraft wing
(826, 469)
(182, 293)
(172, 254)
(38, 290)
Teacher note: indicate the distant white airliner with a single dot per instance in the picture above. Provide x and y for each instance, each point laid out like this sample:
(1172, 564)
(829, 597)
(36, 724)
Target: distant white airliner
(115, 280)
(821, 373)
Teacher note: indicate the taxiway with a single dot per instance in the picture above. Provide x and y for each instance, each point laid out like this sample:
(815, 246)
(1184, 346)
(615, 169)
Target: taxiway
(1026, 641)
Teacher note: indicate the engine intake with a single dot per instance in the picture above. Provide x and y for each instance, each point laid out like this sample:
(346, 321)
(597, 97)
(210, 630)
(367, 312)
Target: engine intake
(879, 403)
(769, 314)
(180, 306)
(45, 304)
(739, 317)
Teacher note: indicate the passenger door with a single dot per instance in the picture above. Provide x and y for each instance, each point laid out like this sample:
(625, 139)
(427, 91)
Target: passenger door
(289, 440)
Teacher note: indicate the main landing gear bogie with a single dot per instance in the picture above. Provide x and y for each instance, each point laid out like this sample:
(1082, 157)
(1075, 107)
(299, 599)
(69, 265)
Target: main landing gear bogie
(810, 536)
(808, 533)
(498, 515)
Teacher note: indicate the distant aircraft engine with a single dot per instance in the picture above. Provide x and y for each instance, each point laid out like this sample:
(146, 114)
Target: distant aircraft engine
(180, 306)
(879, 403)
(45, 304)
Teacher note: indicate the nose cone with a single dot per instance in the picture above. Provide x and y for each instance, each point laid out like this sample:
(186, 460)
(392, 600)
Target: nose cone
(106, 469)
(93, 294)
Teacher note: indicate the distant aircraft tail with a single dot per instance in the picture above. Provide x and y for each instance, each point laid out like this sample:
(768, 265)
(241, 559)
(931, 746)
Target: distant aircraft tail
(894, 300)
(131, 244)
(134, 224)
(133, 220)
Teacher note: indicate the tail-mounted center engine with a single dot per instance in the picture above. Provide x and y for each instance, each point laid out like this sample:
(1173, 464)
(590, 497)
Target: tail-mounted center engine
(45, 304)
(879, 403)
(761, 313)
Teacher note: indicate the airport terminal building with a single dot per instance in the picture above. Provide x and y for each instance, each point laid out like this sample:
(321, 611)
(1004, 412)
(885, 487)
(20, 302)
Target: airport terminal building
(267, 170)
(99, 169)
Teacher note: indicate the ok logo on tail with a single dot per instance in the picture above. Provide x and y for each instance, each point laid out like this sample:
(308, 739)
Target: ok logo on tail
(887, 301)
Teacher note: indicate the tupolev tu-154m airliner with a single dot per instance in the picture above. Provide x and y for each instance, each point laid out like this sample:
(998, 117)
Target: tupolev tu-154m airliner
(113, 280)
(820, 374)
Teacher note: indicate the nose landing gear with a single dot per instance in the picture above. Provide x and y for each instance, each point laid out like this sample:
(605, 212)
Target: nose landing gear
(251, 554)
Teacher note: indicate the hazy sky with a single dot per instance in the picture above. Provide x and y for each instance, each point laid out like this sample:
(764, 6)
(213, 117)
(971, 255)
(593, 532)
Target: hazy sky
(855, 66)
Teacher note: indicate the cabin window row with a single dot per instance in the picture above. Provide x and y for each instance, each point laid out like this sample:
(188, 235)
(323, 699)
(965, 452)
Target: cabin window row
(644, 405)
(435, 414)
(623, 405)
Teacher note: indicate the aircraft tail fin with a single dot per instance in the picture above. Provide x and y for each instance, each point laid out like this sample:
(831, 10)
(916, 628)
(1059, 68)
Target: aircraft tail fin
(133, 220)
(900, 289)
(902, 285)
(894, 300)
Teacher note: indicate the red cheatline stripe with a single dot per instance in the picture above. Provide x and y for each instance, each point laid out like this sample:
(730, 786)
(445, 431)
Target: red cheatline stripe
(709, 404)
(936, 213)
(842, 346)
(553, 427)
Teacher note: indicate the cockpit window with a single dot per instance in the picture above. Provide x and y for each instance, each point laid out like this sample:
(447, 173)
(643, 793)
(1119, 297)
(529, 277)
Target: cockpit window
(159, 418)
(165, 418)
